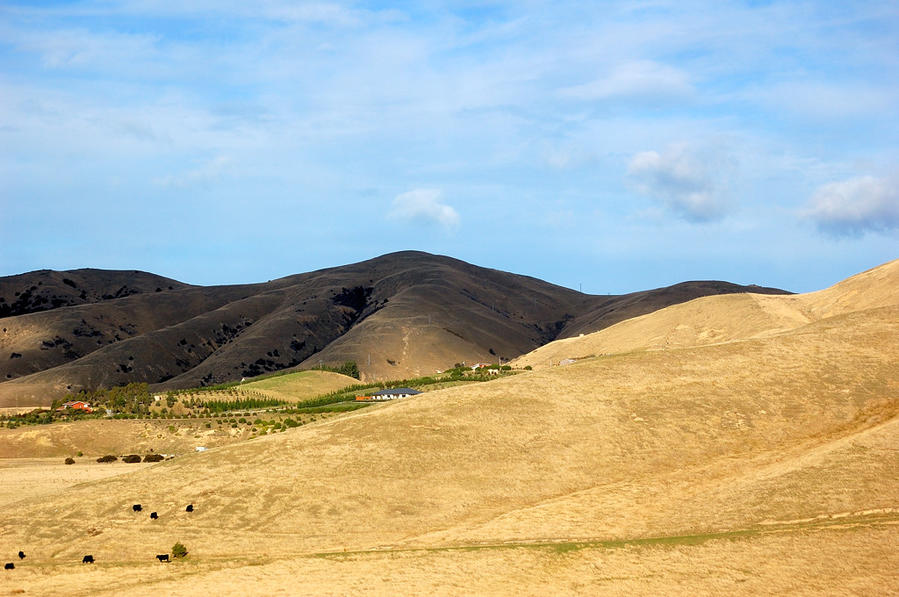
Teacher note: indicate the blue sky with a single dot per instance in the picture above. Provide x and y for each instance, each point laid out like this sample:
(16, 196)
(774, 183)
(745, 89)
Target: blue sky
(615, 146)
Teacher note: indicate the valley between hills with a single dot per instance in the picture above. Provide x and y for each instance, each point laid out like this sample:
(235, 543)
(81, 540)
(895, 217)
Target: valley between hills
(701, 439)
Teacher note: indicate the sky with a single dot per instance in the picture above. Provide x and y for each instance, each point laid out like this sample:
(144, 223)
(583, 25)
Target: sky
(603, 146)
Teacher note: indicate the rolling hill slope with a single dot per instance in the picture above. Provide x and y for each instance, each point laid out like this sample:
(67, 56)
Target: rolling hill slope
(700, 462)
(398, 315)
(716, 319)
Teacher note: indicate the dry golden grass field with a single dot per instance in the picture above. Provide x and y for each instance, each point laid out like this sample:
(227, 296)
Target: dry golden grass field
(301, 385)
(733, 445)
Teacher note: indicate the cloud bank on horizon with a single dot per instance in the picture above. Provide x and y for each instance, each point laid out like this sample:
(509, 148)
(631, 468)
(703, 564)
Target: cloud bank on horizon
(618, 145)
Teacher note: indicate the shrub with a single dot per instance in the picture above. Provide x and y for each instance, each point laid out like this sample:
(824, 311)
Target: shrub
(348, 368)
(79, 454)
(178, 550)
(107, 458)
(131, 458)
(527, 367)
(70, 460)
(153, 458)
(290, 423)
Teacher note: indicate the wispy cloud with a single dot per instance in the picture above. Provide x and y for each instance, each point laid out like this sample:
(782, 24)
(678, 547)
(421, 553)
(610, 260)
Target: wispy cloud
(539, 101)
(207, 172)
(77, 48)
(856, 206)
(682, 179)
(424, 206)
(824, 100)
(640, 79)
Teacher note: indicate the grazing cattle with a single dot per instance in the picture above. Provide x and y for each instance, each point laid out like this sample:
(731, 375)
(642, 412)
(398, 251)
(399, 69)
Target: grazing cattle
(154, 515)
(21, 555)
(190, 508)
(136, 508)
(87, 560)
(163, 557)
(9, 566)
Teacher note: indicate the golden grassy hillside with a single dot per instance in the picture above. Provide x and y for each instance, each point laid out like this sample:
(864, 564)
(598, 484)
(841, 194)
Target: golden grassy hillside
(302, 385)
(725, 318)
(96, 437)
(753, 466)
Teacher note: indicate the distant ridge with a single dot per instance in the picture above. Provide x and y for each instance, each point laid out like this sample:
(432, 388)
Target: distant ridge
(398, 315)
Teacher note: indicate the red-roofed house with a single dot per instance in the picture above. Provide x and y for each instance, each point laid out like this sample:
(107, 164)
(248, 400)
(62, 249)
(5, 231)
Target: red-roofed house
(76, 405)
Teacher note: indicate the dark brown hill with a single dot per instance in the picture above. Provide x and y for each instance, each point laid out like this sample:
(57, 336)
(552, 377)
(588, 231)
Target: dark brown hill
(398, 315)
(44, 290)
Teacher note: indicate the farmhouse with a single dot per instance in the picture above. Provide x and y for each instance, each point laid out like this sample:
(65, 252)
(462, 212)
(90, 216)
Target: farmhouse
(76, 405)
(391, 394)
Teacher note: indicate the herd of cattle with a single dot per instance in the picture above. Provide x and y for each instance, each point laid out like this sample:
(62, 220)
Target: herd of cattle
(89, 559)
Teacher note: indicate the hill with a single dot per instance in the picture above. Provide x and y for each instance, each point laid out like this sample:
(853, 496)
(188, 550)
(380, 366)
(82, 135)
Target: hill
(302, 385)
(44, 290)
(762, 463)
(717, 319)
(399, 315)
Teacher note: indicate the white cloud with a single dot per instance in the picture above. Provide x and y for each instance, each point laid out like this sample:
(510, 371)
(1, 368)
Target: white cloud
(635, 79)
(855, 206)
(424, 205)
(681, 178)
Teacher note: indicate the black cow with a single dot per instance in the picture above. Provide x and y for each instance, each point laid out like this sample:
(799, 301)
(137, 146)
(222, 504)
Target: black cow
(9, 566)
(154, 515)
(190, 508)
(136, 508)
(163, 557)
(87, 560)
(21, 555)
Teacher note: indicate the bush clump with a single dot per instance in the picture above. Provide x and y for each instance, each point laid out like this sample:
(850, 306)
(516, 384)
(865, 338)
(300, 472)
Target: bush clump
(153, 458)
(178, 550)
(70, 460)
(131, 458)
(107, 458)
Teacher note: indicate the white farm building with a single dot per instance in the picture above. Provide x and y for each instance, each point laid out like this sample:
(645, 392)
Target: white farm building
(391, 394)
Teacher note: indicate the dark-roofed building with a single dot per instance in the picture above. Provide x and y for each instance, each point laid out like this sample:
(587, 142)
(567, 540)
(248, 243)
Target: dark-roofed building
(391, 394)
